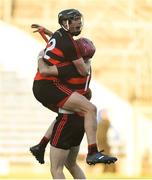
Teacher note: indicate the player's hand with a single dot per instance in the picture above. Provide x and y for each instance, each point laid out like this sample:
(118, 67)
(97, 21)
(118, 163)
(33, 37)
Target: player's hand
(37, 27)
(41, 54)
(41, 29)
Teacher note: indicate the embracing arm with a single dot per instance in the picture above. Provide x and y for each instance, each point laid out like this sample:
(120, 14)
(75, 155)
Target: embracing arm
(64, 71)
(88, 65)
(81, 67)
(45, 69)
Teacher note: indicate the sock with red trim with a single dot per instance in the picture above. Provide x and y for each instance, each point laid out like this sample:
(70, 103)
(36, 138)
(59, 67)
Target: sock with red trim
(92, 148)
(44, 141)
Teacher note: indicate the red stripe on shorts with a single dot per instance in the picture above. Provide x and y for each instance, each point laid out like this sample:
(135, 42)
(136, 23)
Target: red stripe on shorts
(63, 88)
(59, 129)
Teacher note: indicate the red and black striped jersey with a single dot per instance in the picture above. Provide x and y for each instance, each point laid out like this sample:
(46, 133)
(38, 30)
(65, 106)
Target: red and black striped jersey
(61, 48)
(78, 83)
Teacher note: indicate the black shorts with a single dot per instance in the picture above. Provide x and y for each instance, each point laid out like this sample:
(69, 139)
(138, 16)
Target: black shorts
(68, 131)
(52, 94)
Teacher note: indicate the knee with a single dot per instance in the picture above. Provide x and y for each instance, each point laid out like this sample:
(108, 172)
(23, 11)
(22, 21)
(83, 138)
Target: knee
(52, 170)
(70, 166)
(56, 171)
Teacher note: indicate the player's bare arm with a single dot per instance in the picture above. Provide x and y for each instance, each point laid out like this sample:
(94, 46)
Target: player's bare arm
(45, 69)
(88, 65)
(81, 67)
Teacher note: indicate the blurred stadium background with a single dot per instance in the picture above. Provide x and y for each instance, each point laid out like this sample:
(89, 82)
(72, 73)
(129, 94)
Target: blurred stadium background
(122, 84)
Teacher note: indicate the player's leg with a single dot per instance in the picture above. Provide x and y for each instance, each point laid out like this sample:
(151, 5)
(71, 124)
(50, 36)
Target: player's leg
(39, 150)
(58, 94)
(55, 93)
(77, 102)
(57, 159)
(72, 165)
(66, 132)
(40, 93)
(80, 104)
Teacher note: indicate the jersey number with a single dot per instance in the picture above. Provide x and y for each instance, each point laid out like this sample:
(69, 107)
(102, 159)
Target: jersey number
(52, 44)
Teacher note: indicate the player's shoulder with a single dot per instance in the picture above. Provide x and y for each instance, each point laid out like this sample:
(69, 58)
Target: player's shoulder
(58, 33)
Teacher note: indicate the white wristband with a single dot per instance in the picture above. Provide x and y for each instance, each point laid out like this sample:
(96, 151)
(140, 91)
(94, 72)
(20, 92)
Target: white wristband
(63, 111)
(40, 57)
